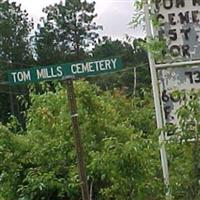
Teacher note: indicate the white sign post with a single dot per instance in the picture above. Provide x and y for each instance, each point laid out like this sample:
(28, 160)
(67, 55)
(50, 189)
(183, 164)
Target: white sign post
(177, 24)
(156, 100)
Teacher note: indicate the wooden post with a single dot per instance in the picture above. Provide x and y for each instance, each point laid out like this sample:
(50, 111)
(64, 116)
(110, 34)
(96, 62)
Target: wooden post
(135, 81)
(77, 137)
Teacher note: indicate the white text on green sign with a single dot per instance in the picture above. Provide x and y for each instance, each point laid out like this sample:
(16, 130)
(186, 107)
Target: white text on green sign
(79, 69)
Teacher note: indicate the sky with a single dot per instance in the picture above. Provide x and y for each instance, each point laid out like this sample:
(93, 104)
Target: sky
(113, 15)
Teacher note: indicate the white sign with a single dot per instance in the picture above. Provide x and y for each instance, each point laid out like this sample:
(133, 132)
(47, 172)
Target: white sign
(178, 23)
(173, 82)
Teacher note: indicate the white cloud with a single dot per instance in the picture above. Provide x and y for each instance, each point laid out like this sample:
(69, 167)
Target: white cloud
(115, 18)
(113, 15)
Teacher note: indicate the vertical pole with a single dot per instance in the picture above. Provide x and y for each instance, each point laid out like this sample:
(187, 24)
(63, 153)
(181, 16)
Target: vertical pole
(11, 101)
(157, 101)
(77, 137)
(135, 81)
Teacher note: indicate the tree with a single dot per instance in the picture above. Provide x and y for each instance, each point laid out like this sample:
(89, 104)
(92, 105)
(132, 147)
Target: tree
(15, 27)
(133, 56)
(15, 50)
(122, 160)
(66, 32)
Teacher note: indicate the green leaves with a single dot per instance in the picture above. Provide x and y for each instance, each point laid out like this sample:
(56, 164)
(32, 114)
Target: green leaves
(121, 161)
(133, 56)
(183, 149)
(15, 29)
(15, 52)
(66, 32)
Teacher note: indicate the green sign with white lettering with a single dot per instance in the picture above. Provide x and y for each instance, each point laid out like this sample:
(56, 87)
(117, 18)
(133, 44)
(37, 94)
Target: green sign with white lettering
(79, 69)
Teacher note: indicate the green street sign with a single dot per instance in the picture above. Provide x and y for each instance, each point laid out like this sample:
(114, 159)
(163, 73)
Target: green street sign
(53, 72)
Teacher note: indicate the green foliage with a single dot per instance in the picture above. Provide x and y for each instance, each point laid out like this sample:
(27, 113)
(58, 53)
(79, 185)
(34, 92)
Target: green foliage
(138, 17)
(183, 149)
(133, 56)
(118, 133)
(66, 31)
(157, 47)
(122, 159)
(14, 31)
(15, 52)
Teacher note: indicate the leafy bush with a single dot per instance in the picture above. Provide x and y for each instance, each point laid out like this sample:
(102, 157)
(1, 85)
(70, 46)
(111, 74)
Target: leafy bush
(121, 152)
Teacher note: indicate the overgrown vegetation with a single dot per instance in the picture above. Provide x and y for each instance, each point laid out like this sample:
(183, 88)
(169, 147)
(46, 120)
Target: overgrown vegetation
(122, 158)
(117, 118)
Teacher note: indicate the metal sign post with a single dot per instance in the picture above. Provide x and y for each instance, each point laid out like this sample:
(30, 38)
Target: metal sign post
(157, 102)
(177, 24)
(77, 138)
